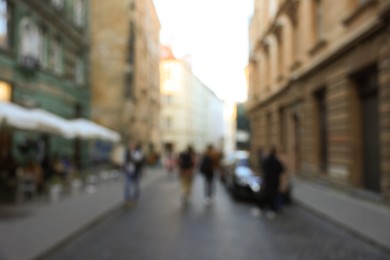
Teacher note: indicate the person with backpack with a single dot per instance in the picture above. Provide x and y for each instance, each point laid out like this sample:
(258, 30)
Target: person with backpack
(207, 168)
(186, 167)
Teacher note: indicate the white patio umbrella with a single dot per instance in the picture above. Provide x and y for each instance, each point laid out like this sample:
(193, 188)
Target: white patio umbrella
(51, 123)
(112, 135)
(86, 129)
(16, 116)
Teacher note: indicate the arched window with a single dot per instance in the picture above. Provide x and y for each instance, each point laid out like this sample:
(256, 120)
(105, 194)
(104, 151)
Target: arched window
(44, 47)
(29, 43)
(55, 56)
(286, 44)
(79, 12)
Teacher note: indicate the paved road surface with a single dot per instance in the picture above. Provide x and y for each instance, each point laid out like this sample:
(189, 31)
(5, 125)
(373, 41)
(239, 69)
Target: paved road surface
(160, 228)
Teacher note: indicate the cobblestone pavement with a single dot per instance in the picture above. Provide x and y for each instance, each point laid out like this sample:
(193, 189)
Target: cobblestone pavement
(160, 228)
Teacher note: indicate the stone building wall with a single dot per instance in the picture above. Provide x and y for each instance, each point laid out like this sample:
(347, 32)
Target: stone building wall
(125, 69)
(315, 110)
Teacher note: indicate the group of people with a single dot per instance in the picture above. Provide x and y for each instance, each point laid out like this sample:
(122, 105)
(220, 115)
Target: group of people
(186, 162)
(208, 165)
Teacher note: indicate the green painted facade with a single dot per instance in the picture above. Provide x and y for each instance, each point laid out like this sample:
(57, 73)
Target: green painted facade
(41, 86)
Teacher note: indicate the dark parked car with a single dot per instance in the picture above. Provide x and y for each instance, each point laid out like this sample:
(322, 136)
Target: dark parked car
(241, 181)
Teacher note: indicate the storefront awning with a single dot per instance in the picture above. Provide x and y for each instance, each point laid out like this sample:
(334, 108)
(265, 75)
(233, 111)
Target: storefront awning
(86, 129)
(40, 120)
(16, 116)
(51, 123)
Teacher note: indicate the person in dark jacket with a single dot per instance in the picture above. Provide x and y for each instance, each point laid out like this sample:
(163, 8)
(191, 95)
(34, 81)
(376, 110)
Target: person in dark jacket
(186, 165)
(273, 169)
(207, 168)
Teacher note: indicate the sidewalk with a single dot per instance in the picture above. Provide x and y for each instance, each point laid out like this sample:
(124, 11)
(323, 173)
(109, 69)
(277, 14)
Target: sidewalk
(30, 230)
(368, 220)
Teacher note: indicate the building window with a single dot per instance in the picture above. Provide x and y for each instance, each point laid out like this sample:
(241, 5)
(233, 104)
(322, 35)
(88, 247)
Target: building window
(5, 91)
(55, 56)
(168, 99)
(80, 72)
(295, 42)
(5, 24)
(58, 4)
(79, 13)
(44, 47)
(280, 54)
(319, 19)
(29, 43)
(272, 8)
(168, 123)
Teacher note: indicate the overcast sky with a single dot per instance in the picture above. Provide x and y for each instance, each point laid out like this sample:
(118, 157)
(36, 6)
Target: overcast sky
(215, 33)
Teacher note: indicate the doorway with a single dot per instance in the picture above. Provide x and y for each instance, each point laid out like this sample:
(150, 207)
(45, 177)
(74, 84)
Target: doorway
(367, 83)
(296, 142)
(322, 130)
(283, 129)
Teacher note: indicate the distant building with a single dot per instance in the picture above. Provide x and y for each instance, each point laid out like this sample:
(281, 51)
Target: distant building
(44, 63)
(125, 68)
(230, 127)
(191, 114)
(319, 88)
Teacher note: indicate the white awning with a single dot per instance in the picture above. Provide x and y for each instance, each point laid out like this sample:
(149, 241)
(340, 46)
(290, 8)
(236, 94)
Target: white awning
(51, 123)
(86, 129)
(16, 116)
(40, 120)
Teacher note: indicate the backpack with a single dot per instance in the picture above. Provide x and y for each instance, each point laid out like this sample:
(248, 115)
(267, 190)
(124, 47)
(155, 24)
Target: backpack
(206, 166)
(185, 161)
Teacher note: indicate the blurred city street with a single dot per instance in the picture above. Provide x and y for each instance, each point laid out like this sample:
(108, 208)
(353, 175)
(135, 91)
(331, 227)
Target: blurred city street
(159, 227)
(113, 112)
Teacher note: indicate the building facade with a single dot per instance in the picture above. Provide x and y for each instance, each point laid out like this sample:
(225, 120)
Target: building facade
(125, 68)
(319, 88)
(191, 114)
(44, 55)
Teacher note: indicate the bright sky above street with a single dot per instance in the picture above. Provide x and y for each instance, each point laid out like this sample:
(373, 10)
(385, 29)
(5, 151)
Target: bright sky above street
(215, 34)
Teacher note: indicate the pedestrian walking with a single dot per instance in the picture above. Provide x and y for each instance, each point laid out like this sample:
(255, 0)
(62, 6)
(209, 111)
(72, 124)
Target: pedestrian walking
(133, 171)
(285, 181)
(186, 167)
(273, 169)
(207, 168)
(170, 162)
